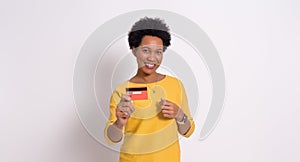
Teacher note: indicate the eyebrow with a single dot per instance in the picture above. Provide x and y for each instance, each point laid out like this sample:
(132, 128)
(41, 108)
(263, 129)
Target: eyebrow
(151, 48)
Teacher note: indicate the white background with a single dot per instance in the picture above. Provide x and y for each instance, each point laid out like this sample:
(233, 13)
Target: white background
(258, 42)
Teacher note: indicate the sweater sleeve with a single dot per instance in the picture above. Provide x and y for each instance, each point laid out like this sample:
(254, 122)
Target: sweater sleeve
(185, 108)
(110, 132)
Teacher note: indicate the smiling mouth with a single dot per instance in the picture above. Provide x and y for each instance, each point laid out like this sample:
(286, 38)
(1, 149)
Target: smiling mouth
(150, 65)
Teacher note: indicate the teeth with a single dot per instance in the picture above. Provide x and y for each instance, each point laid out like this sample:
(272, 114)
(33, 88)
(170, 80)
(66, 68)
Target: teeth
(149, 65)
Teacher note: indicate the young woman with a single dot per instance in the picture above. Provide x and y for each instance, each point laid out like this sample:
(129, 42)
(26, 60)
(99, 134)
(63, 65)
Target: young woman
(150, 109)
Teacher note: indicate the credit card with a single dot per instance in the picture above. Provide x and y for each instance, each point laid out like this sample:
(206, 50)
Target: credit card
(137, 93)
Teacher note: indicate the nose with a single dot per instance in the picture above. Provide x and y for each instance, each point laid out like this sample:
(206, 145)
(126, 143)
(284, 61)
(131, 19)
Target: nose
(151, 56)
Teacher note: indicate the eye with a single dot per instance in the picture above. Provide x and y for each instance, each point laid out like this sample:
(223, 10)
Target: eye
(145, 50)
(158, 52)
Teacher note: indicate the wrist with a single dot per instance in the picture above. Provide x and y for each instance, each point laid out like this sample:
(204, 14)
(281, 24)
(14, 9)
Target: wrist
(179, 116)
(118, 124)
(183, 120)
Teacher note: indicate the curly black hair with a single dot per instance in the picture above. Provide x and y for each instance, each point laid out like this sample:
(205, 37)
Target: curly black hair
(149, 26)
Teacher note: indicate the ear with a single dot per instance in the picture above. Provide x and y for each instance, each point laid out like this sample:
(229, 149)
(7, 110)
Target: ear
(133, 50)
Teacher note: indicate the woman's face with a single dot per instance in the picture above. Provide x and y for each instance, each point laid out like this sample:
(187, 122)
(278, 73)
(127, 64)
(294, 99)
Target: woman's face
(149, 54)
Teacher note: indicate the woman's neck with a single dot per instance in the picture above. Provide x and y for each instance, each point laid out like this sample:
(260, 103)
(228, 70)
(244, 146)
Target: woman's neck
(147, 78)
(141, 77)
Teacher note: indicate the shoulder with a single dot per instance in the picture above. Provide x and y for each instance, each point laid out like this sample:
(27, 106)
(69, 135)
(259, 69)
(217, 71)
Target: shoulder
(122, 86)
(118, 92)
(173, 79)
(120, 89)
(175, 82)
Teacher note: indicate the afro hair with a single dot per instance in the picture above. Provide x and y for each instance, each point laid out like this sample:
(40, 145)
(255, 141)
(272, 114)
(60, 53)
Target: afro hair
(149, 26)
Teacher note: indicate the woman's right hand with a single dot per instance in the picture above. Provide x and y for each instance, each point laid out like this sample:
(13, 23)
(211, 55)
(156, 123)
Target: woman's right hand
(124, 110)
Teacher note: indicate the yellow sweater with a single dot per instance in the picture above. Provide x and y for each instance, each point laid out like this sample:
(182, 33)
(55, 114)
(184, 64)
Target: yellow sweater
(148, 136)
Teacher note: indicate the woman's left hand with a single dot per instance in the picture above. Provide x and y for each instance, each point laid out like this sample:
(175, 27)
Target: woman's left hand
(170, 109)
